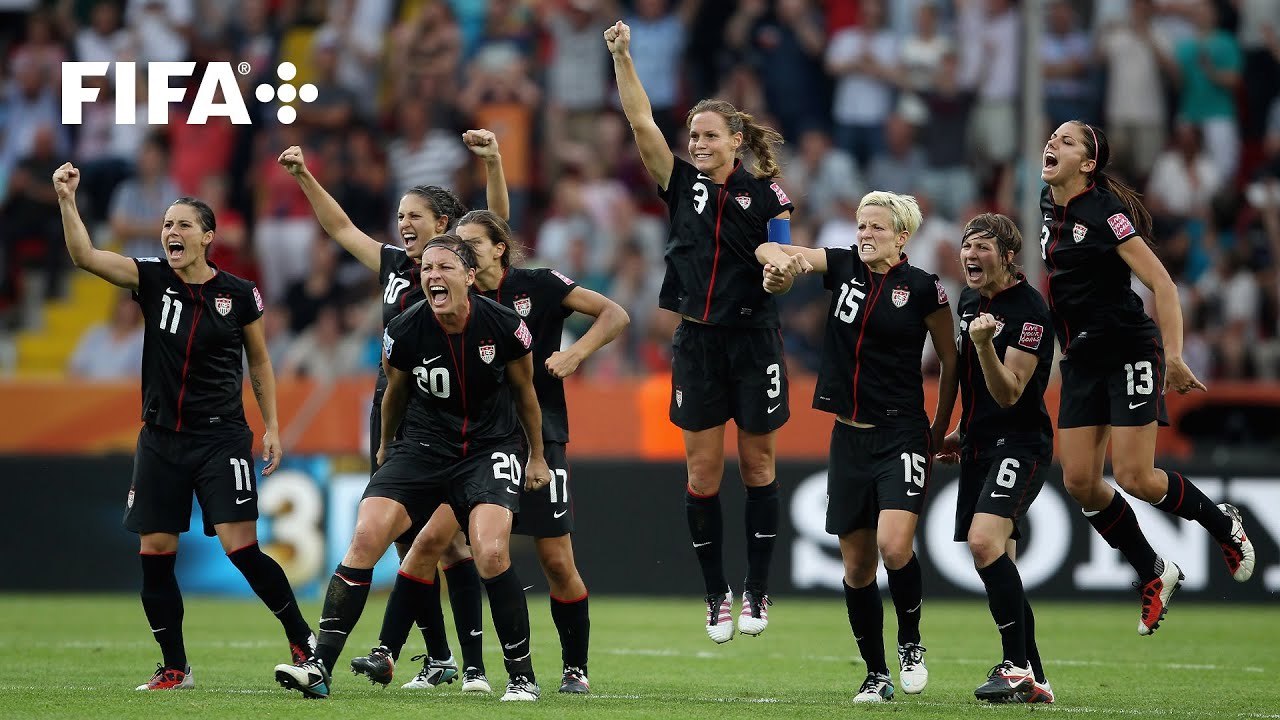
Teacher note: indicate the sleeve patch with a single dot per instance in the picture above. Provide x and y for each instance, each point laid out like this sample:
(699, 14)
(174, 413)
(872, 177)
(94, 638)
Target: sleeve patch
(942, 293)
(257, 298)
(560, 275)
(1121, 226)
(524, 336)
(387, 344)
(1031, 336)
(148, 259)
(782, 196)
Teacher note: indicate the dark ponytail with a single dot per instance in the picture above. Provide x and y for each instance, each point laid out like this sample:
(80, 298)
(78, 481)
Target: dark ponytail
(499, 232)
(1098, 149)
(760, 139)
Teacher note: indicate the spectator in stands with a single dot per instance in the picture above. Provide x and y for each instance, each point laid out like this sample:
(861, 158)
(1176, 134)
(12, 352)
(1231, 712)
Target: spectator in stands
(1138, 62)
(900, 166)
(103, 39)
(138, 201)
(567, 221)
(110, 350)
(1209, 65)
(991, 64)
(1259, 38)
(322, 352)
(423, 152)
(785, 48)
(30, 103)
(284, 228)
(42, 47)
(334, 108)
(948, 176)
(317, 289)
(1185, 178)
(101, 169)
(230, 251)
(29, 217)
(161, 28)
(426, 50)
(1066, 53)
(359, 29)
(864, 61)
(662, 26)
(577, 74)
(820, 174)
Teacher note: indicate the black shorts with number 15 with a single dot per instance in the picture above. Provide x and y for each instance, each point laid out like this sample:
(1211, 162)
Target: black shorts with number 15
(874, 469)
(720, 373)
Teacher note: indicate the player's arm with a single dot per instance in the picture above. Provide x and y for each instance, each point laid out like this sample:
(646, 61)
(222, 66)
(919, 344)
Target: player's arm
(112, 267)
(610, 321)
(784, 262)
(484, 145)
(942, 333)
(520, 375)
(654, 151)
(394, 401)
(263, 381)
(332, 217)
(1005, 380)
(1147, 267)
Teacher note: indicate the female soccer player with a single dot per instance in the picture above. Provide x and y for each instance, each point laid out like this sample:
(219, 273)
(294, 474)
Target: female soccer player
(1005, 440)
(460, 376)
(424, 212)
(199, 322)
(726, 354)
(882, 309)
(544, 298)
(1117, 363)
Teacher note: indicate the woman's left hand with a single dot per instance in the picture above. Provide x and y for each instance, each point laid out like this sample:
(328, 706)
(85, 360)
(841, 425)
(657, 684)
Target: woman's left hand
(1180, 378)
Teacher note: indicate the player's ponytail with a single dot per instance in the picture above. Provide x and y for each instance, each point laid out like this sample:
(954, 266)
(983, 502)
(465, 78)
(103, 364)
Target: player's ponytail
(760, 139)
(499, 232)
(1098, 149)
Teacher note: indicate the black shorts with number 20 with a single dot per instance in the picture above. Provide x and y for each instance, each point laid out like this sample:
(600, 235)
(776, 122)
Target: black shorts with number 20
(720, 373)
(874, 469)
(1004, 484)
(168, 467)
(1124, 389)
(548, 512)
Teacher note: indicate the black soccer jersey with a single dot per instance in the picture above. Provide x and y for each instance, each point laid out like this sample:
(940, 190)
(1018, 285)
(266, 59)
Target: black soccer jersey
(874, 341)
(460, 397)
(401, 288)
(536, 296)
(712, 273)
(1022, 322)
(1090, 293)
(193, 348)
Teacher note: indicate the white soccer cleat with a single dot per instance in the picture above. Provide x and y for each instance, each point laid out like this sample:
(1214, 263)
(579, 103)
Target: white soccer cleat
(1156, 595)
(754, 617)
(474, 681)
(432, 674)
(913, 676)
(1238, 552)
(877, 688)
(720, 617)
(521, 689)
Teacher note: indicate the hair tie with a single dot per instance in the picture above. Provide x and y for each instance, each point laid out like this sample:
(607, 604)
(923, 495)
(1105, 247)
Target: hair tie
(1096, 149)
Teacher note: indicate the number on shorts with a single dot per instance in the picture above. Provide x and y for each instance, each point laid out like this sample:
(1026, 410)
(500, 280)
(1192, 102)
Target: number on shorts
(506, 468)
(1008, 474)
(1145, 377)
(176, 305)
(244, 474)
(774, 372)
(563, 477)
(700, 196)
(913, 468)
(847, 306)
(434, 381)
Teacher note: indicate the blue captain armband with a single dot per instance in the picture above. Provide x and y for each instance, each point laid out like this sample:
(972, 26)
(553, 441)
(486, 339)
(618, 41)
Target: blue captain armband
(780, 231)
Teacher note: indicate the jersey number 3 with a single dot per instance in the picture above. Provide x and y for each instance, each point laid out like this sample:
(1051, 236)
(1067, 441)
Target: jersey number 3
(700, 196)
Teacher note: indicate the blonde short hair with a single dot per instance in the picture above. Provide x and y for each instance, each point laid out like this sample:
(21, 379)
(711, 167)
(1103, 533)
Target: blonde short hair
(904, 209)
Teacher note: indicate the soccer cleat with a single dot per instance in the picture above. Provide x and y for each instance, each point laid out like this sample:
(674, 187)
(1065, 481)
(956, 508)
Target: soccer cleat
(1005, 681)
(521, 689)
(378, 666)
(309, 677)
(169, 679)
(913, 674)
(301, 652)
(1037, 692)
(474, 681)
(433, 673)
(1238, 551)
(878, 687)
(574, 681)
(1155, 597)
(754, 617)
(720, 617)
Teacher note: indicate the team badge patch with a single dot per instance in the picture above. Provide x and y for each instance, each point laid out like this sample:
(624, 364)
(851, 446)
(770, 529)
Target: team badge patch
(1031, 335)
(387, 344)
(223, 305)
(679, 398)
(488, 352)
(524, 336)
(999, 327)
(942, 293)
(257, 297)
(1121, 226)
(782, 196)
(900, 297)
(129, 502)
(523, 305)
(1078, 231)
(744, 201)
(566, 280)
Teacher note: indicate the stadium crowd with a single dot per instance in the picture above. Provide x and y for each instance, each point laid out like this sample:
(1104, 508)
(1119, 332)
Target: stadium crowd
(869, 94)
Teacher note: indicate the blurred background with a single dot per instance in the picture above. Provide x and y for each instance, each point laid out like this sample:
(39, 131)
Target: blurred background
(949, 100)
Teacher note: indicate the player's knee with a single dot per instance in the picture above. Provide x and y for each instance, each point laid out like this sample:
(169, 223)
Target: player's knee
(492, 559)
(365, 548)
(1138, 480)
(1081, 485)
(985, 547)
(559, 568)
(432, 543)
(702, 481)
(757, 472)
(896, 553)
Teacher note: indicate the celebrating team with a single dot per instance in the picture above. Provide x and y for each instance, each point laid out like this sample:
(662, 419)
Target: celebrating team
(465, 382)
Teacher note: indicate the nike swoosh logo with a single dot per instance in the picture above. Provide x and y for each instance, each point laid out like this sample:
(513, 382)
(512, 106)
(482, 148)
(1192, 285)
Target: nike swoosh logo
(1135, 406)
(477, 633)
(515, 645)
(559, 514)
(859, 284)
(775, 407)
(1008, 624)
(998, 495)
(513, 492)
(967, 315)
(703, 177)
(762, 537)
(428, 362)
(170, 291)
(912, 493)
(241, 501)
(698, 545)
(156, 630)
(917, 607)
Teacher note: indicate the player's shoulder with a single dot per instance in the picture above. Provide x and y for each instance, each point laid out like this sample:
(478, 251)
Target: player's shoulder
(968, 298)
(411, 316)
(1025, 294)
(488, 308)
(917, 275)
(152, 269)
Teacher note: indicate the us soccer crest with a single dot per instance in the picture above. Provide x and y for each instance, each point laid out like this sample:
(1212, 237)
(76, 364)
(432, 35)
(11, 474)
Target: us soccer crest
(744, 201)
(222, 305)
(900, 296)
(523, 305)
(1078, 231)
(488, 352)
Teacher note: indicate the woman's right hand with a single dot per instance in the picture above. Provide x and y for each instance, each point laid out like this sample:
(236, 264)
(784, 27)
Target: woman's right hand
(291, 159)
(65, 181)
(618, 38)
(949, 453)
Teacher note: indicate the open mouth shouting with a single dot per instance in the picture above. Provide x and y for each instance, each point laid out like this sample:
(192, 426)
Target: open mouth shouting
(1050, 164)
(974, 274)
(175, 250)
(438, 295)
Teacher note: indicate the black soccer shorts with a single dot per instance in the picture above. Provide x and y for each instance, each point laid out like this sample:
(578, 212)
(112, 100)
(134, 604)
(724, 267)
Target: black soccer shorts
(720, 373)
(1003, 484)
(1123, 389)
(548, 512)
(874, 469)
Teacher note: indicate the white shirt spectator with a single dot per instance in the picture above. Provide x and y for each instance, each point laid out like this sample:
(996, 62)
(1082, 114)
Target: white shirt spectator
(861, 99)
(101, 355)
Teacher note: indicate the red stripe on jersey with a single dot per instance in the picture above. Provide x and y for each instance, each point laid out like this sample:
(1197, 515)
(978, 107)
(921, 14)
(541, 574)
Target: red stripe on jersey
(857, 349)
(186, 361)
(461, 369)
(715, 261)
(1048, 279)
(969, 378)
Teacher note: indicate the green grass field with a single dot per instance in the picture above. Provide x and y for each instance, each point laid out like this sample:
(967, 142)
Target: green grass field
(81, 656)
